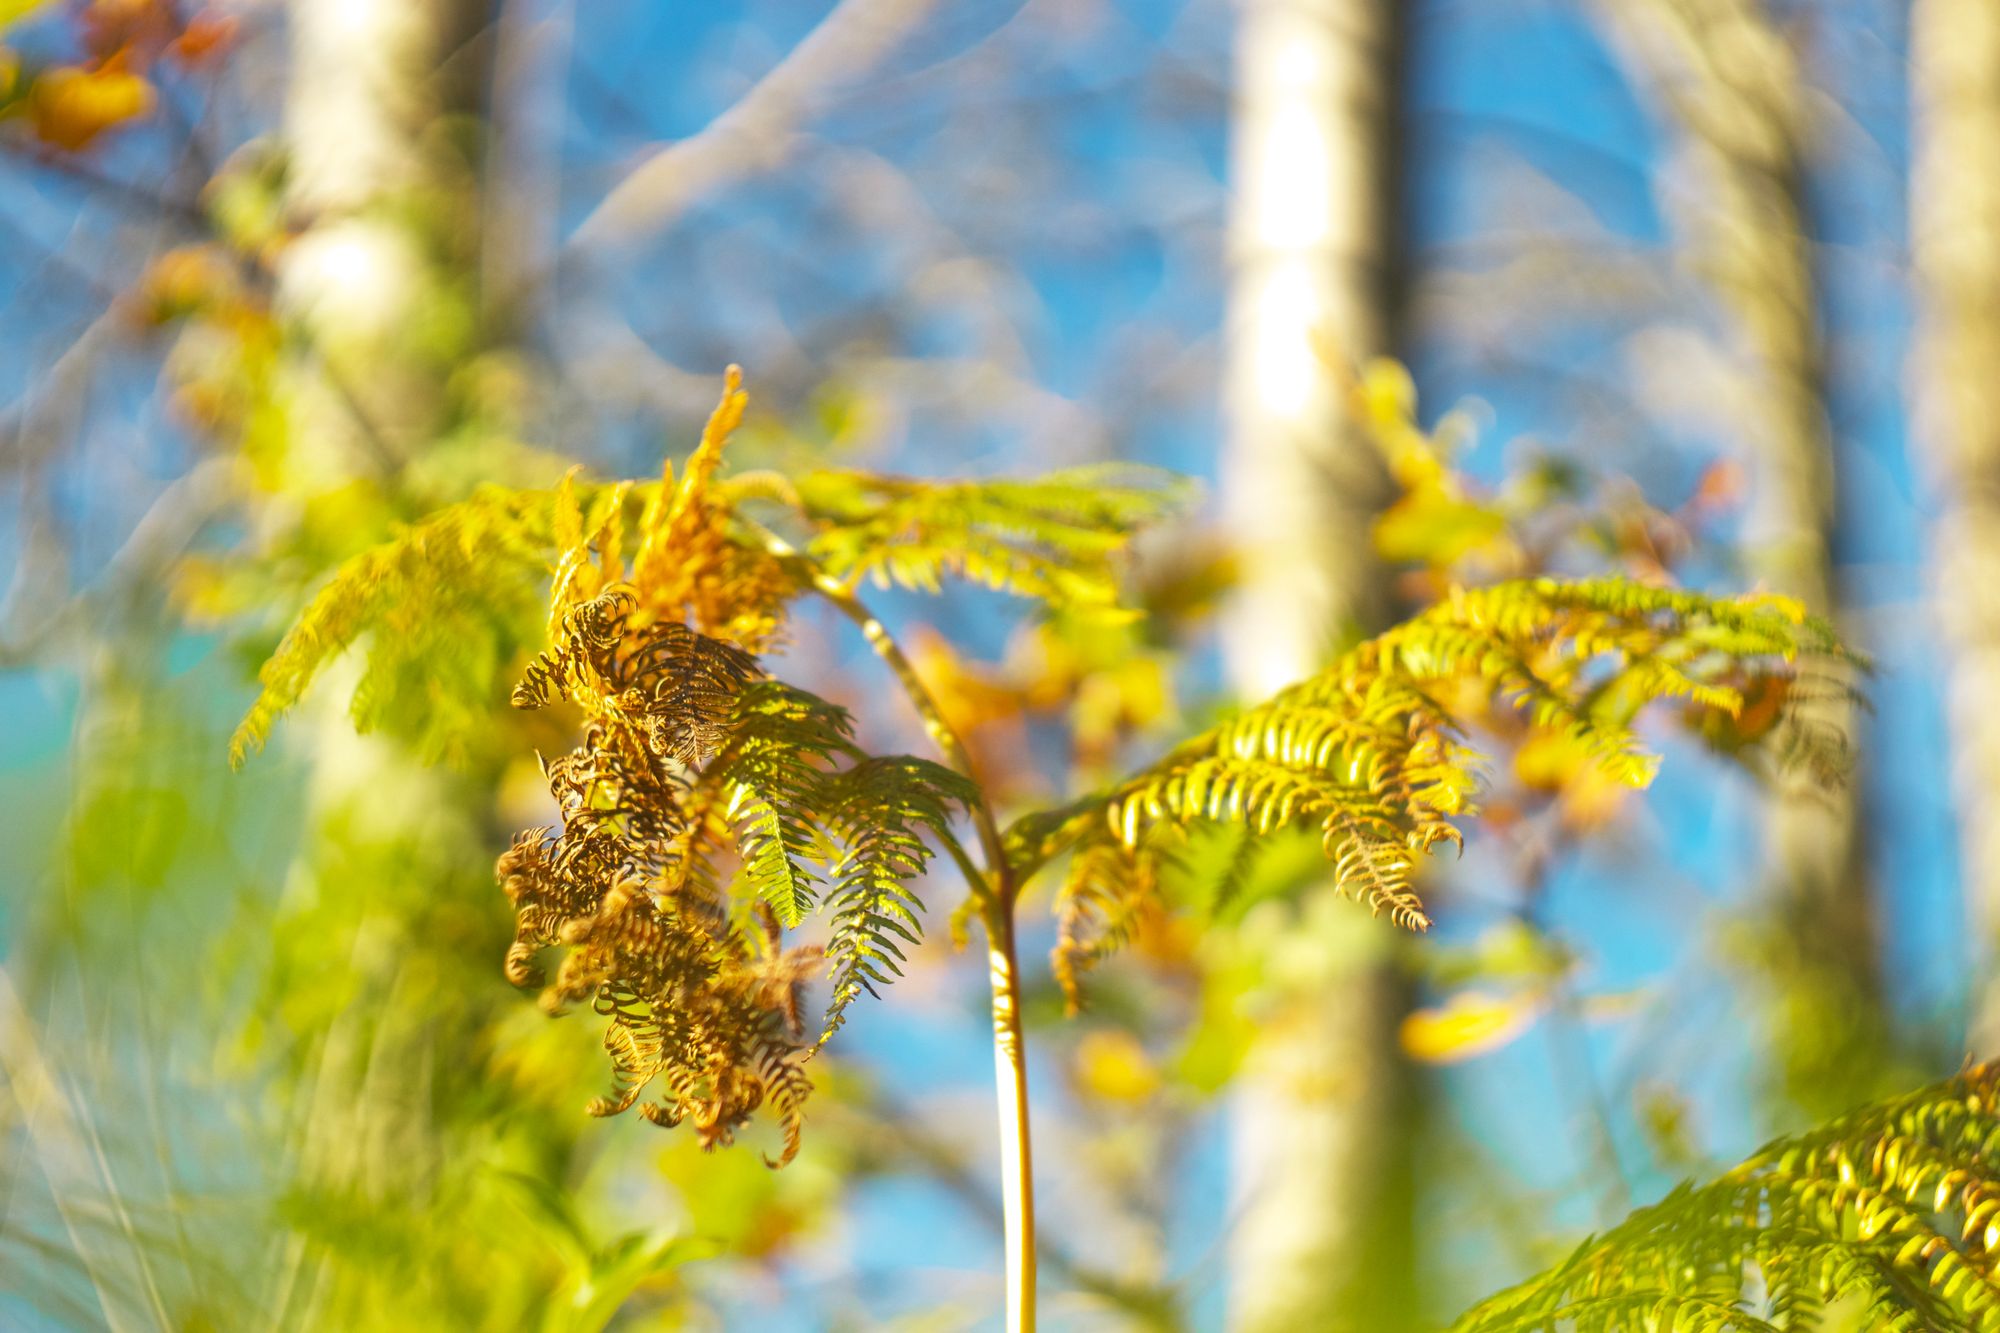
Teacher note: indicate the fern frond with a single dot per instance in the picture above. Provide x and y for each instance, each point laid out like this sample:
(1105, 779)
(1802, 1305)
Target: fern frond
(1367, 756)
(459, 588)
(1893, 1209)
(661, 680)
(773, 774)
(1106, 887)
(880, 810)
(457, 584)
(1054, 538)
(689, 751)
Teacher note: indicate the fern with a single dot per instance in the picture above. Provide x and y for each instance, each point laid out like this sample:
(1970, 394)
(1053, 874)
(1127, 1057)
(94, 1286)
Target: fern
(1052, 539)
(452, 587)
(707, 808)
(445, 587)
(773, 781)
(880, 810)
(1893, 1210)
(1368, 756)
(689, 750)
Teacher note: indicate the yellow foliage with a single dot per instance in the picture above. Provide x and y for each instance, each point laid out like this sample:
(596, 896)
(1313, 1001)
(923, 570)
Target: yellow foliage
(1366, 756)
(1552, 760)
(71, 105)
(1112, 1066)
(1470, 1023)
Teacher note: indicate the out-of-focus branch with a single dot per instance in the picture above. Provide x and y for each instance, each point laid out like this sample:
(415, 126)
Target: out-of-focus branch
(168, 527)
(530, 66)
(754, 135)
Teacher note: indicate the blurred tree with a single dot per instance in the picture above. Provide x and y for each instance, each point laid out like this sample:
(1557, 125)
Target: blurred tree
(335, 369)
(1729, 78)
(1320, 1124)
(1955, 395)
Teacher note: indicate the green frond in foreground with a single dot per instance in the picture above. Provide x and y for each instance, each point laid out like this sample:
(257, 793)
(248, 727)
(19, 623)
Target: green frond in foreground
(1892, 1212)
(772, 780)
(1373, 755)
(1052, 538)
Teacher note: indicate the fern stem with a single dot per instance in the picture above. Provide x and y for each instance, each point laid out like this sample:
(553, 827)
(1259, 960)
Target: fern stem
(996, 891)
(1010, 1065)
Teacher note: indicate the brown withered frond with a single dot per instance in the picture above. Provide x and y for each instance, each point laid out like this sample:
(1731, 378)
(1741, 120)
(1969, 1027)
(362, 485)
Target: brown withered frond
(694, 1008)
(692, 763)
(656, 681)
(688, 567)
(699, 1009)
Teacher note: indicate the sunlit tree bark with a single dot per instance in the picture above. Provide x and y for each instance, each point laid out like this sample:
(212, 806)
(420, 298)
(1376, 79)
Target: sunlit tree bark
(1316, 1130)
(366, 175)
(1729, 80)
(1955, 392)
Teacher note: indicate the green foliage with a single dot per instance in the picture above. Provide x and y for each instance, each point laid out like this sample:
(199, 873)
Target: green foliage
(773, 781)
(879, 810)
(1053, 538)
(1892, 1213)
(1373, 754)
(435, 603)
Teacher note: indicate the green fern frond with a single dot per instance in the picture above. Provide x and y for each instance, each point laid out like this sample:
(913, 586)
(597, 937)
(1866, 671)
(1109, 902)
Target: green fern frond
(1053, 538)
(880, 810)
(1893, 1210)
(1368, 756)
(773, 774)
(462, 579)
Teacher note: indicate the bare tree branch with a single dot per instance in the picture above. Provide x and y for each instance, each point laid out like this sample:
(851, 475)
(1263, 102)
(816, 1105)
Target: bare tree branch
(757, 133)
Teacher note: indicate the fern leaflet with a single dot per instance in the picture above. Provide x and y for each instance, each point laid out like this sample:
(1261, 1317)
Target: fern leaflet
(1893, 1210)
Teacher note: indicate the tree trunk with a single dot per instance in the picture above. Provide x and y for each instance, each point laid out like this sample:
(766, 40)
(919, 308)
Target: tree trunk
(365, 177)
(1729, 80)
(1316, 1126)
(1955, 392)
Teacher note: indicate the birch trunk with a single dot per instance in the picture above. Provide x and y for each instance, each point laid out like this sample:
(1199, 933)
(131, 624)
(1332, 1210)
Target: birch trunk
(1315, 1122)
(1955, 392)
(364, 101)
(1730, 81)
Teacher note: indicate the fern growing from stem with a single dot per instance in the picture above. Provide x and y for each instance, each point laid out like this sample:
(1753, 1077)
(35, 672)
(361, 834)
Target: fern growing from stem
(708, 808)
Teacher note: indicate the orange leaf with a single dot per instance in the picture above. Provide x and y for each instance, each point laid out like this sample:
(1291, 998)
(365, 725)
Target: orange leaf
(206, 37)
(71, 106)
